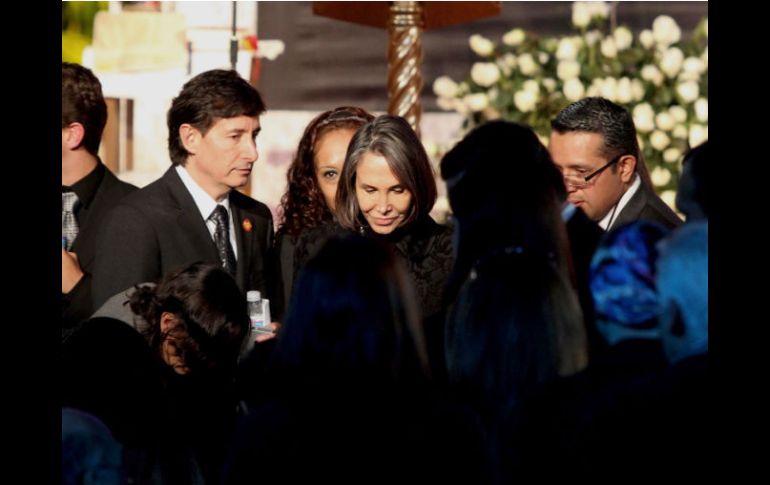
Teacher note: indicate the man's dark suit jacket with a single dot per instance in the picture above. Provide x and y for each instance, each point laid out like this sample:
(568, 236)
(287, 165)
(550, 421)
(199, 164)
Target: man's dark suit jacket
(646, 205)
(77, 304)
(159, 229)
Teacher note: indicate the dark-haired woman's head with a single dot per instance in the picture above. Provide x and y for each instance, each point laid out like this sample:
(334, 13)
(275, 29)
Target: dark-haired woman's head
(387, 181)
(315, 172)
(197, 318)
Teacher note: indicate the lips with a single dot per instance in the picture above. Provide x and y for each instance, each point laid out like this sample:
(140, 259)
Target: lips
(383, 222)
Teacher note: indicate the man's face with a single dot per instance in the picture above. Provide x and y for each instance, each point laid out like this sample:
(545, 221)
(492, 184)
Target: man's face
(579, 153)
(222, 159)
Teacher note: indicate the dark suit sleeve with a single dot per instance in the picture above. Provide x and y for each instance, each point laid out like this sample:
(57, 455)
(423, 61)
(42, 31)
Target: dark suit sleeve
(76, 305)
(127, 253)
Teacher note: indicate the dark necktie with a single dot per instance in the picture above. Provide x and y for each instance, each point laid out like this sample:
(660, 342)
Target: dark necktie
(69, 225)
(222, 238)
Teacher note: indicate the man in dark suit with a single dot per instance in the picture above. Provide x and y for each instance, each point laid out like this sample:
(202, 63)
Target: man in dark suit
(89, 189)
(192, 213)
(594, 145)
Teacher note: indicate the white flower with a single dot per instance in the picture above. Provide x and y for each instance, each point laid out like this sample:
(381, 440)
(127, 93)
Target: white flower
(599, 9)
(593, 36)
(706, 27)
(567, 50)
(643, 117)
(623, 38)
(476, 101)
(659, 140)
(671, 62)
(567, 70)
(652, 74)
(506, 63)
(445, 87)
(485, 73)
(698, 134)
(543, 139)
(491, 113)
(688, 91)
(595, 88)
(525, 100)
(531, 85)
(671, 155)
(527, 64)
(637, 90)
(705, 57)
(660, 177)
(702, 109)
(640, 142)
(573, 89)
(461, 106)
(680, 131)
(664, 121)
(581, 14)
(669, 197)
(447, 104)
(646, 38)
(608, 48)
(609, 88)
(625, 93)
(665, 30)
(492, 93)
(481, 45)
(693, 64)
(550, 84)
(678, 113)
(514, 37)
(543, 57)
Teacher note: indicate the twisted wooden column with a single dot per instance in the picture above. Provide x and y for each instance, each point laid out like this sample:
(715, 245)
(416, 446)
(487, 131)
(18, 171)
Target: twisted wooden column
(405, 25)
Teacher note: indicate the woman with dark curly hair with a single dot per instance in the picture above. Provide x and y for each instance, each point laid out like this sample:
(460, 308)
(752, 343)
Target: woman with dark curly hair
(312, 183)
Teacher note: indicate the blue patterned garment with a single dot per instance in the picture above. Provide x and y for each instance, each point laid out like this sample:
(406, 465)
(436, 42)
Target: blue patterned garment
(622, 281)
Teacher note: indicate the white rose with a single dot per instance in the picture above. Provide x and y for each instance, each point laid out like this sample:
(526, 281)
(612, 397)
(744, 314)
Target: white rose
(640, 142)
(481, 45)
(461, 106)
(493, 93)
(485, 73)
(671, 155)
(659, 140)
(506, 63)
(664, 121)
(531, 85)
(671, 62)
(543, 139)
(644, 118)
(543, 57)
(599, 9)
(476, 101)
(525, 100)
(514, 37)
(698, 134)
(625, 94)
(567, 70)
(595, 88)
(550, 84)
(447, 104)
(573, 89)
(581, 14)
(608, 48)
(669, 197)
(527, 64)
(567, 50)
(665, 30)
(445, 87)
(652, 74)
(680, 131)
(660, 177)
(688, 91)
(702, 109)
(646, 38)
(678, 113)
(593, 36)
(693, 64)
(637, 90)
(609, 89)
(623, 38)
(490, 113)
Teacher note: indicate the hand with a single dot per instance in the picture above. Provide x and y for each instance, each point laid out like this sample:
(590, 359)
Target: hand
(70, 271)
(269, 331)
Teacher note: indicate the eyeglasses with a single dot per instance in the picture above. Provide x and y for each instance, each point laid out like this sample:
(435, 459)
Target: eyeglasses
(580, 182)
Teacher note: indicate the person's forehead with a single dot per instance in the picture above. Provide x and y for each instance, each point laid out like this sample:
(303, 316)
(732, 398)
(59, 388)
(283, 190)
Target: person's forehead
(576, 147)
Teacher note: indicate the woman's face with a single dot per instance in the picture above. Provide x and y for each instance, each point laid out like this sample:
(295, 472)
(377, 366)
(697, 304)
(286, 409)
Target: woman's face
(329, 158)
(384, 202)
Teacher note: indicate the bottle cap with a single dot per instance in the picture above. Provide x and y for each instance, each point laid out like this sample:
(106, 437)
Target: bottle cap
(253, 295)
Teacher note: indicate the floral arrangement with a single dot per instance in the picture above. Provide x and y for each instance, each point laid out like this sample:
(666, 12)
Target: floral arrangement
(658, 75)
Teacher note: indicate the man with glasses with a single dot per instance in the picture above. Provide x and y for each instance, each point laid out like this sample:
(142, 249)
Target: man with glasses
(594, 145)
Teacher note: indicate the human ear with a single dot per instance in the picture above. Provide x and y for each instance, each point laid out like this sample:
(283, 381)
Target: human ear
(73, 135)
(627, 168)
(167, 321)
(189, 136)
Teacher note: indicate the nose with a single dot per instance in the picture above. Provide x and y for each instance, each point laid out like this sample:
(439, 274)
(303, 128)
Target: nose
(383, 204)
(249, 150)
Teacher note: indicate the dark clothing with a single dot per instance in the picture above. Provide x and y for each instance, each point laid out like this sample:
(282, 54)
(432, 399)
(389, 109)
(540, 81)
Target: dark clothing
(646, 205)
(98, 192)
(159, 229)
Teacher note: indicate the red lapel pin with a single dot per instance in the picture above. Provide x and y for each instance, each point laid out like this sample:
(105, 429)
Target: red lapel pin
(247, 225)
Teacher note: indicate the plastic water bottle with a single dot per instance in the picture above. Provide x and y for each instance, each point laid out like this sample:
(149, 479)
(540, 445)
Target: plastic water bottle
(256, 310)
